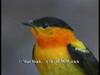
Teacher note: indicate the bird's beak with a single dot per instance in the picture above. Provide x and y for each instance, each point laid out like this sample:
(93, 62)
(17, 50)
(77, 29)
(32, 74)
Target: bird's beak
(29, 23)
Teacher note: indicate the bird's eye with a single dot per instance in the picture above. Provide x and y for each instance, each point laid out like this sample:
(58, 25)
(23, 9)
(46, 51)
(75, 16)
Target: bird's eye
(45, 25)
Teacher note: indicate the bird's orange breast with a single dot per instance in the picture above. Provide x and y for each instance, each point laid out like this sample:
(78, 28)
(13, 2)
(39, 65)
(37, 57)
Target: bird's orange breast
(56, 37)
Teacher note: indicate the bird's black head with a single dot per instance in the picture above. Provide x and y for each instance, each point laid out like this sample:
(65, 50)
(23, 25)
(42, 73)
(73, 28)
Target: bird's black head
(47, 21)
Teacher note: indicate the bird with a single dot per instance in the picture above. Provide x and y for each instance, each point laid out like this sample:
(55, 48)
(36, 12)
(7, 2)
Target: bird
(59, 49)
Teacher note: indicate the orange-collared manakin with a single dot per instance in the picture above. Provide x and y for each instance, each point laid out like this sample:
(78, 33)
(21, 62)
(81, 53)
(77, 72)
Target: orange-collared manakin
(59, 50)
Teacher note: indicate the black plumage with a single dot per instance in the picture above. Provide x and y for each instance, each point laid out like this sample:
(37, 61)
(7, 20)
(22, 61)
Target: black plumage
(87, 61)
(47, 21)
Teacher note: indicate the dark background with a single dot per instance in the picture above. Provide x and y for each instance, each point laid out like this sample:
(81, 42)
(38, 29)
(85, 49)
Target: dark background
(17, 40)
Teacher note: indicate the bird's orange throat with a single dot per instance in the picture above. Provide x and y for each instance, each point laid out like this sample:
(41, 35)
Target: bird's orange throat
(50, 42)
(59, 37)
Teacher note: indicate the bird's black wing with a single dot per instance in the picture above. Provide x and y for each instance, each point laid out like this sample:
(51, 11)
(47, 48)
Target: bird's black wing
(87, 61)
(33, 52)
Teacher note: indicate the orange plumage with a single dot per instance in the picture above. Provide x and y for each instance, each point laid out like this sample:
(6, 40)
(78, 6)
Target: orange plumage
(57, 37)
